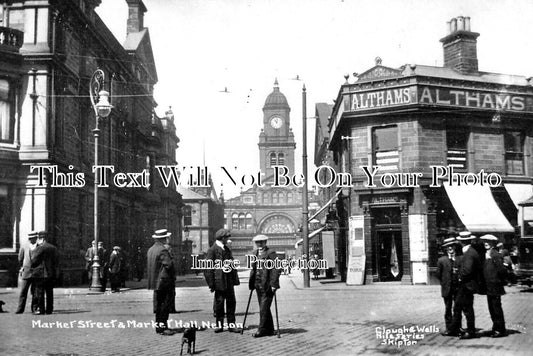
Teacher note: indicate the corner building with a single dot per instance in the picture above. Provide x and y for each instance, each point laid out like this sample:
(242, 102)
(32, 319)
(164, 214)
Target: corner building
(405, 120)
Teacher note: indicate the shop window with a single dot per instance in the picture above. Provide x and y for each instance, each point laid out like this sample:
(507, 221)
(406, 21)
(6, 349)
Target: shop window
(457, 144)
(248, 221)
(6, 221)
(514, 152)
(6, 119)
(386, 216)
(385, 147)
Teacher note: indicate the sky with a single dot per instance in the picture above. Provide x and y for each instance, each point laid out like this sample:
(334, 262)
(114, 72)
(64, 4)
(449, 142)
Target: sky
(202, 47)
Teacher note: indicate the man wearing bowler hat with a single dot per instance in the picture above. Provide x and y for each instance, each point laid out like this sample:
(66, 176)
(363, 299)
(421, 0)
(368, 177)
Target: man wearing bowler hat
(161, 279)
(469, 269)
(495, 275)
(45, 264)
(447, 273)
(265, 281)
(222, 282)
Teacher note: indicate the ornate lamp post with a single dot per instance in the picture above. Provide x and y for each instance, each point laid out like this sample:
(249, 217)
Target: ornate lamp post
(102, 109)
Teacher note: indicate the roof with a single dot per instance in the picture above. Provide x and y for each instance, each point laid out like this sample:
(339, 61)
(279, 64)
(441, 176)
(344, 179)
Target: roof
(276, 99)
(188, 194)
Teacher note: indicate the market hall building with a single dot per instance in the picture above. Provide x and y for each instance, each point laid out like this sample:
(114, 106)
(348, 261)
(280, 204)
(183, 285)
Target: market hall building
(405, 120)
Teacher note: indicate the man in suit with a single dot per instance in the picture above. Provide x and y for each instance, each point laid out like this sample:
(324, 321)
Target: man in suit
(26, 279)
(222, 282)
(115, 263)
(161, 279)
(469, 283)
(265, 281)
(495, 275)
(448, 275)
(90, 257)
(104, 263)
(45, 263)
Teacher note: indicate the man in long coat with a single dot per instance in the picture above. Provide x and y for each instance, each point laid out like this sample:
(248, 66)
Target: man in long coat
(495, 275)
(222, 282)
(265, 281)
(448, 275)
(469, 283)
(45, 264)
(161, 279)
(115, 266)
(26, 278)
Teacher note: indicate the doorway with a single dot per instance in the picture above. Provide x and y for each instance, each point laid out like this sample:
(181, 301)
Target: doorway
(389, 255)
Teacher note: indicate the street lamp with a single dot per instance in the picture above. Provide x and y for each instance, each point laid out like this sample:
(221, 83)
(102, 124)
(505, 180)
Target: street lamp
(102, 109)
(305, 207)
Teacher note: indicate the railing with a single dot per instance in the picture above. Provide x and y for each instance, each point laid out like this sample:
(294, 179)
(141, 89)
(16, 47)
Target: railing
(11, 39)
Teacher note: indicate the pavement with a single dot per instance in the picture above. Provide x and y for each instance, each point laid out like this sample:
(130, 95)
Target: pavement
(329, 318)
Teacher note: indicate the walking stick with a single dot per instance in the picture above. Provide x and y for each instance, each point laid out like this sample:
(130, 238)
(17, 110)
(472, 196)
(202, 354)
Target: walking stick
(246, 314)
(277, 320)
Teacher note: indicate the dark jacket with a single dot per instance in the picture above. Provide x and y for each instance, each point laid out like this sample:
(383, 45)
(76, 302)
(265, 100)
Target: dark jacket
(264, 278)
(469, 267)
(216, 278)
(161, 272)
(494, 273)
(45, 261)
(444, 274)
(115, 263)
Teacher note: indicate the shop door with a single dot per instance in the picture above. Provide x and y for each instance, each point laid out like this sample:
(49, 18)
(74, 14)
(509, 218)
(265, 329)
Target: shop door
(390, 255)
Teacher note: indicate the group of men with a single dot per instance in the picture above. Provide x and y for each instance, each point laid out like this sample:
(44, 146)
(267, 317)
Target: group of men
(39, 262)
(162, 272)
(471, 266)
(111, 267)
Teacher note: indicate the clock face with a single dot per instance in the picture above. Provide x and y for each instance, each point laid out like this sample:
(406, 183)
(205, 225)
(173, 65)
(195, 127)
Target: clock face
(276, 122)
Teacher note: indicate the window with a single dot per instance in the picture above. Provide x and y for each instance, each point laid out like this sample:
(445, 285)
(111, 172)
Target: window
(242, 223)
(457, 143)
(273, 159)
(6, 218)
(235, 221)
(289, 198)
(6, 121)
(385, 147)
(514, 152)
(275, 198)
(248, 221)
(266, 199)
(281, 159)
(187, 215)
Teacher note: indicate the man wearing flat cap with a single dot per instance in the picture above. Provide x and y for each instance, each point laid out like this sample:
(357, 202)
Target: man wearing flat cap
(469, 268)
(448, 275)
(265, 281)
(161, 279)
(495, 275)
(222, 282)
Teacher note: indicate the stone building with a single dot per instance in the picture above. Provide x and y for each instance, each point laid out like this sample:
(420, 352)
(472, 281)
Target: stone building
(49, 122)
(434, 141)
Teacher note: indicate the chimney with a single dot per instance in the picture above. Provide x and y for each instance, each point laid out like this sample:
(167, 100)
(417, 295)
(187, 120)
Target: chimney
(136, 10)
(460, 46)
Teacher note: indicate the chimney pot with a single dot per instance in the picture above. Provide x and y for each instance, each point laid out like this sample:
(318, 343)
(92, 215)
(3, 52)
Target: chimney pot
(460, 46)
(449, 27)
(460, 23)
(454, 24)
(467, 23)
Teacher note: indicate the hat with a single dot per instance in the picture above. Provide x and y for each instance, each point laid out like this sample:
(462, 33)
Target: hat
(260, 238)
(161, 234)
(221, 233)
(489, 237)
(116, 248)
(500, 244)
(450, 241)
(33, 234)
(465, 236)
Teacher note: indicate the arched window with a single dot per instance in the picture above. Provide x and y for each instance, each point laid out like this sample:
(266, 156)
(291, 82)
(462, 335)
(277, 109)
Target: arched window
(242, 223)
(281, 198)
(275, 198)
(281, 159)
(265, 198)
(234, 221)
(248, 221)
(289, 197)
(273, 159)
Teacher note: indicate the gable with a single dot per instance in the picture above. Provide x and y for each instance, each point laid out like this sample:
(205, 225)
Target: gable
(379, 72)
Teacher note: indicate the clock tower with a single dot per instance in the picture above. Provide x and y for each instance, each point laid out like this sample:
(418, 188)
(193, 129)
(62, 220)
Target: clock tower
(276, 140)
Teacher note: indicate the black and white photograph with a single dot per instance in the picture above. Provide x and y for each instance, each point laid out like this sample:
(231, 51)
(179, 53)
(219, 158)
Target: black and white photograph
(266, 177)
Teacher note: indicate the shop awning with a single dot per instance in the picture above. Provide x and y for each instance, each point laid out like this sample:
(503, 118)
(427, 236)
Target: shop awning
(325, 205)
(520, 193)
(311, 235)
(477, 209)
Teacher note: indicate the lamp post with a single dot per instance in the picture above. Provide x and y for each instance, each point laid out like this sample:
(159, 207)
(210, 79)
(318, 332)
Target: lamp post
(305, 205)
(102, 109)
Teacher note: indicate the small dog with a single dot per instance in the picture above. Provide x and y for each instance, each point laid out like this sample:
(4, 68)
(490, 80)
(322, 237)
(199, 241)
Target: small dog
(189, 337)
(1, 304)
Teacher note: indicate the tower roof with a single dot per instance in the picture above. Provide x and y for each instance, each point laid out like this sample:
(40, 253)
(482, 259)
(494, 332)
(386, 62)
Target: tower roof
(276, 99)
